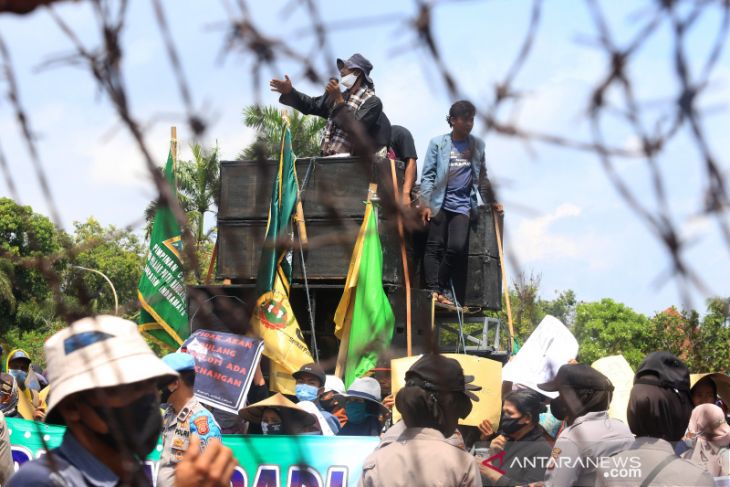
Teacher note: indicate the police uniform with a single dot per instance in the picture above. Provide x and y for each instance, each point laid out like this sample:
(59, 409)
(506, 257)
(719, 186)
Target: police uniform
(640, 461)
(193, 419)
(581, 445)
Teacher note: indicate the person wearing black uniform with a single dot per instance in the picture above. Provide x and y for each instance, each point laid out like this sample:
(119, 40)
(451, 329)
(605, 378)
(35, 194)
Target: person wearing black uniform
(404, 149)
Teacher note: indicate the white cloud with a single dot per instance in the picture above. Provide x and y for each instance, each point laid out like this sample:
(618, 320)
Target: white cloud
(534, 240)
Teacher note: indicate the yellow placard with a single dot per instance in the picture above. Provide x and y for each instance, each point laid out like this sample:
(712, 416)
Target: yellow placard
(621, 375)
(721, 380)
(487, 373)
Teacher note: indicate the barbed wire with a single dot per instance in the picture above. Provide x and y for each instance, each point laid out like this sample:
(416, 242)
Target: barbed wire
(243, 36)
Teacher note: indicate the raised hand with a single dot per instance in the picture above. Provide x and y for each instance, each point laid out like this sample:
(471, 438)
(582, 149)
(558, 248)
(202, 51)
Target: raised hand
(282, 86)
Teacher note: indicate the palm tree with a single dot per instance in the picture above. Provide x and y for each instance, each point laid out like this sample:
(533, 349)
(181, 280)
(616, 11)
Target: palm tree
(198, 190)
(198, 187)
(306, 133)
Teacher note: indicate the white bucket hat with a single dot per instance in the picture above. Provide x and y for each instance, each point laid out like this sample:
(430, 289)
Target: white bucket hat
(365, 388)
(334, 384)
(97, 352)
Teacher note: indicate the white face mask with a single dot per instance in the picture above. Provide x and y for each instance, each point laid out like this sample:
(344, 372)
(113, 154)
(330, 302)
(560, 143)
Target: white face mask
(349, 80)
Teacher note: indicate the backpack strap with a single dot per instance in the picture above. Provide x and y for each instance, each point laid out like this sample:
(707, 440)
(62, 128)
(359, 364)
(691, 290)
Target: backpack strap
(652, 475)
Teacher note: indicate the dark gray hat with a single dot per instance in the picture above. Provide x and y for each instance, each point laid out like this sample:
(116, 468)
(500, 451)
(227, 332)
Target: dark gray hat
(357, 61)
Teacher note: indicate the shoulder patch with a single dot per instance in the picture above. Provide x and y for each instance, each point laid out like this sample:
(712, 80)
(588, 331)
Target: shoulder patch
(201, 423)
(184, 413)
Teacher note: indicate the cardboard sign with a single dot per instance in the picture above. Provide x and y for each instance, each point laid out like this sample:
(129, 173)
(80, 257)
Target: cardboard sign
(224, 367)
(549, 347)
(621, 375)
(487, 373)
(276, 461)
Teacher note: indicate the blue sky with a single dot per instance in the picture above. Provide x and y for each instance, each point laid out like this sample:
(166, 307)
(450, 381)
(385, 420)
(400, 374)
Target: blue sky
(564, 219)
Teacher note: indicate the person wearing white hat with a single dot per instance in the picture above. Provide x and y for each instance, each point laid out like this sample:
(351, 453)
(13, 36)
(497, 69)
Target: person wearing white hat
(184, 417)
(333, 386)
(363, 408)
(103, 388)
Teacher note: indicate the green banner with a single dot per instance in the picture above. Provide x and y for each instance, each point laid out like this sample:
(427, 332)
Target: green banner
(265, 461)
(161, 291)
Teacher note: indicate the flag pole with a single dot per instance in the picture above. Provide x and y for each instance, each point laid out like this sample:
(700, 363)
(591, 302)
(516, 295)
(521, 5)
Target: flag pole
(505, 282)
(345, 341)
(298, 209)
(404, 258)
(173, 146)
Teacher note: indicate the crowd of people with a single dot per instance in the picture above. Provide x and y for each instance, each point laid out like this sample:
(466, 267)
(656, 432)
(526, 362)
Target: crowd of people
(116, 398)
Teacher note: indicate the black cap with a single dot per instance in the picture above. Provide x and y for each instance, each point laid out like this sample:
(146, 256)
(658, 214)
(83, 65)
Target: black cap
(440, 373)
(663, 369)
(311, 369)
(577, 376)
(357, 61)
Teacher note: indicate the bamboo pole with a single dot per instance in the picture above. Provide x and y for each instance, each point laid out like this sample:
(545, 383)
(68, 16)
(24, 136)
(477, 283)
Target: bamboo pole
(505, 282)
(173, 146)
(404, 258)
(211, 266)
(298, 209)
(345, 341)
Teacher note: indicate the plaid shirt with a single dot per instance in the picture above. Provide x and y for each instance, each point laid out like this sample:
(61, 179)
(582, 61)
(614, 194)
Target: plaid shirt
(336, 140)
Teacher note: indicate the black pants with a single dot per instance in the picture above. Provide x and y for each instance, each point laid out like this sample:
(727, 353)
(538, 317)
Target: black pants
(446, 247)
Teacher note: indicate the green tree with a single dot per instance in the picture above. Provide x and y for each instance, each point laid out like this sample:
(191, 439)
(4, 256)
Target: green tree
(198, 188)
(115, 252)
(607, 328)
(306, 133)
(711, 344)
(25, 237)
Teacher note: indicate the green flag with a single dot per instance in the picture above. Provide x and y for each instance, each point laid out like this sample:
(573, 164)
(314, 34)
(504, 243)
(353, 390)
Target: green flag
(273, 319)
(161, 290)
(364, 305)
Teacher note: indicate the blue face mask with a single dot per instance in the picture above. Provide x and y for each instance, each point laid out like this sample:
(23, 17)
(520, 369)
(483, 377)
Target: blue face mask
(356, 412)
(305, 392)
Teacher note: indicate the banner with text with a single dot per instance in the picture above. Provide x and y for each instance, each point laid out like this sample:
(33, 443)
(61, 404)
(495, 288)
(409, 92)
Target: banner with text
(265, 461)
(224, 367)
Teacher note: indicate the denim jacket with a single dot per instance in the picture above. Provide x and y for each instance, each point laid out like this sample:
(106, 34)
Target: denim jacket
(435, 174)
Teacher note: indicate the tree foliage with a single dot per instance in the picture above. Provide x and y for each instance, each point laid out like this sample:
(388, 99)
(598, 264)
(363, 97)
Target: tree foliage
(306, 133)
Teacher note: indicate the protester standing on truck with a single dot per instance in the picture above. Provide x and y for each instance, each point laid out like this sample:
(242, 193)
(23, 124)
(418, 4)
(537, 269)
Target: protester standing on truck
(452, 171)
(356, 123)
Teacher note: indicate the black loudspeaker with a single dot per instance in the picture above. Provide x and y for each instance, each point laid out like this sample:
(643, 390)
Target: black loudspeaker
(483, 284)
(335, 187)
(333, 203)
(326, 259)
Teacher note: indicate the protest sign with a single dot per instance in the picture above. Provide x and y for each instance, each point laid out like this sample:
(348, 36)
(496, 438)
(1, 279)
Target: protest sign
(621, 375)
(264, 461)
(224, 367)
(487, 373)
(549, 347)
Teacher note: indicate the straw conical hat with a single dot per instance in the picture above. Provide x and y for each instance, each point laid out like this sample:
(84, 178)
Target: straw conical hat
(287, 409)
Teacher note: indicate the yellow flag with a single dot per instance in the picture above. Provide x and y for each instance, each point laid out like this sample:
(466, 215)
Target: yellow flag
(274, 322)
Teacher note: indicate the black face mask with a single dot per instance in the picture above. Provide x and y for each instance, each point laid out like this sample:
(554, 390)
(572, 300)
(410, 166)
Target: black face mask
(133, 429)
(329, 404)
(558, 408)
(165, 394)
(510, 426)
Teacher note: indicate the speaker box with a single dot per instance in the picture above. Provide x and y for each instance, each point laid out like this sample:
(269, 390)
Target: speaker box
(327, 258)
(331, 187)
